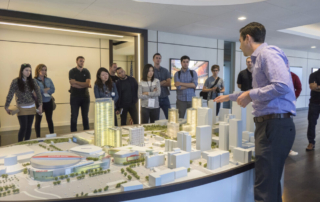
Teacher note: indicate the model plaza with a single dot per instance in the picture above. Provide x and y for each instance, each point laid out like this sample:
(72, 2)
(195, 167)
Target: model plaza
(116, 159)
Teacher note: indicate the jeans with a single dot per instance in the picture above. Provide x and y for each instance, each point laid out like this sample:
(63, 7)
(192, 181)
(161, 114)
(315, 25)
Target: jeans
(165, 105)
(313, 115)
(182, 107)
(147, 113)
(84, 104)
(273, 141)
(48, 110)
(133, 113)
(25, 127)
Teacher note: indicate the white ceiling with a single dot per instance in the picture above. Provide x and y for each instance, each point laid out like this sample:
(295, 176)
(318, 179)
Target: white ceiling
(219, 22)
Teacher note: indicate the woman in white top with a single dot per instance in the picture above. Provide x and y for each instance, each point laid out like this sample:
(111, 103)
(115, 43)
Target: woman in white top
(149, 91)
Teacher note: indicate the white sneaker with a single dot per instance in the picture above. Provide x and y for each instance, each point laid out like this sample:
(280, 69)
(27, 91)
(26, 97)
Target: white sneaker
(293, 153)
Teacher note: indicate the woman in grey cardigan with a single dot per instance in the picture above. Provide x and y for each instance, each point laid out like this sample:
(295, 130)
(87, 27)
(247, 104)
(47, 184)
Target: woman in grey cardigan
(149, 92)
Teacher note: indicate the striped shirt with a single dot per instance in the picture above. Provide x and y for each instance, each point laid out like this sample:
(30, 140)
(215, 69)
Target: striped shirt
(185, 77)
(148, 86)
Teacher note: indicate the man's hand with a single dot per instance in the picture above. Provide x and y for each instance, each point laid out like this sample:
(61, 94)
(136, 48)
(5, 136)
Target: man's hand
(313, 86)
(213, 89)
(177, 84)
(89, 86)
(117, 112)
(155, 90)
(222, 98)
(8, 111)
(145, 93)
(40, 109)
(163, 82)
(244, 99)
(73, 81)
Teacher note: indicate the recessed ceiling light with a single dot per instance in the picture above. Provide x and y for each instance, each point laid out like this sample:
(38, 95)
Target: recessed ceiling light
(313, 47)
(242, 18)
(58, 29)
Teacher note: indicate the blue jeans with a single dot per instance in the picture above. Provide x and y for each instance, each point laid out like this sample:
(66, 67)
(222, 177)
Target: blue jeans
(165, 105)
(313, 115)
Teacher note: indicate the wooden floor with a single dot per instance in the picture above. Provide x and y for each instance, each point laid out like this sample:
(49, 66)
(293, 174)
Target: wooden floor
(302, 172)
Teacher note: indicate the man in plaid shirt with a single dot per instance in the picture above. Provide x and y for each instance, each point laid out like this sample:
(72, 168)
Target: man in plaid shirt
(186, 81)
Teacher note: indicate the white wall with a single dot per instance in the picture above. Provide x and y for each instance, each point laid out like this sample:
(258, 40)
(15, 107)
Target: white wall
(58, 53)
(305, 60)
(176, 45)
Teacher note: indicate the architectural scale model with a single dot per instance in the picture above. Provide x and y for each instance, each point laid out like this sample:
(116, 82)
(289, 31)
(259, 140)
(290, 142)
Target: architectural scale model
(117, 159)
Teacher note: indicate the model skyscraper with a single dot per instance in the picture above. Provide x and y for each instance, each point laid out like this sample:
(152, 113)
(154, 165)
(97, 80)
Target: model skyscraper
(173, 116)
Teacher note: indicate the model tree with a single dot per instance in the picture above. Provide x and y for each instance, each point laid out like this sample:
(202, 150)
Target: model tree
(106, 188)
(38, 186)
(68, 179)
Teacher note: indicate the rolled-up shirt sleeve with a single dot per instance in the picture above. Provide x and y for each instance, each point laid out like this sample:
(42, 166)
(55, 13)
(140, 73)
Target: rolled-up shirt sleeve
(233, 97)
(278, 75)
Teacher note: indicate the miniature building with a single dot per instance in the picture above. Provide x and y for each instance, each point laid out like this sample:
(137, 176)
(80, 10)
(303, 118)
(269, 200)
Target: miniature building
(224, 136)
(242, 155)
(186, 127)
(166, 176)
(192, 120)
(123, 157)
(240, 113)
(178, 158)
(132, 185)
(114, 138)
(136, 136)
(161, 122)
(204, 116)
(83, 138)
(196, 102)
(227, 117)
(223, 112)
(173, 116)
(216, 159)
(203, 137)
(213, 106)
(195, 154)
(246, 135)
(154, 161)
(235, 133)
(104, 119)
(250, 126)
(172, 129)
(184, 141)
(170, 144)
(88, 151)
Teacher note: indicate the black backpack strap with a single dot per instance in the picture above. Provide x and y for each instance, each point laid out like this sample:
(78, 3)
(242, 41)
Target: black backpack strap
(191, 72)
(215, 83)
(179, 73)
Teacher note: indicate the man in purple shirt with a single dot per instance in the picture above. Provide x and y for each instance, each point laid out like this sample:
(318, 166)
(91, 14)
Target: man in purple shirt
(273, 105)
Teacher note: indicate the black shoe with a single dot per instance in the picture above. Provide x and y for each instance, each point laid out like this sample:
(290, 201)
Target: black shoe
(310, 147)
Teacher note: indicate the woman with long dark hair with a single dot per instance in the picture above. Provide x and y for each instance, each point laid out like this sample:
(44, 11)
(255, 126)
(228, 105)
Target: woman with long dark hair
(25, 87)
(47, 89)
(149, 91)
(104, 87)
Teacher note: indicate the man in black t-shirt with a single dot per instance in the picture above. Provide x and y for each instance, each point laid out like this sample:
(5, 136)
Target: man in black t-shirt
(112, 72)
(127, 87)
(314, 108)
(245, 77)
(79, 79)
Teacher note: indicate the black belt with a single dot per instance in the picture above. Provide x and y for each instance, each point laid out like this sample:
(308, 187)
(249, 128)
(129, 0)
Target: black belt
(271, 116)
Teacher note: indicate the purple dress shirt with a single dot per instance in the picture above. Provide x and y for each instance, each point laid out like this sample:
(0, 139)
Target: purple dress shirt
(273, 91)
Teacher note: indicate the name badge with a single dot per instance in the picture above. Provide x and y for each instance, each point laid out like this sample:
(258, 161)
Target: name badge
(151, 102)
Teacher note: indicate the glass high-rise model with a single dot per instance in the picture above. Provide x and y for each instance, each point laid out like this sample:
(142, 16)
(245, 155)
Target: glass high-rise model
(192, 120)
(173, 116)
(104, 119)
(196, 102)
(114, 138)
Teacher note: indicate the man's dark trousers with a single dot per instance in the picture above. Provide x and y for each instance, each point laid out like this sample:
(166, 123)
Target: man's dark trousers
(273, 141)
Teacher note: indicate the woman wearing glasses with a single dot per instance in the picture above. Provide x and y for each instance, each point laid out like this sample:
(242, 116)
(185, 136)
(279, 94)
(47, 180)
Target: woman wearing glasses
(214, 85)
(24, 88)
(46, 89)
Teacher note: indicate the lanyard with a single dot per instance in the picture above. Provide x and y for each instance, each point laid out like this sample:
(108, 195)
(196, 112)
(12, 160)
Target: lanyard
(149, 86)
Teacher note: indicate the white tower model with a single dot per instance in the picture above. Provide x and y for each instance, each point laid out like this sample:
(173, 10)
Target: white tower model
(213, 106)
(136, 136)
(204, 116)
(203, 138)
(235, 133)
(184, 141)
(224, 136)
(240, 113)
(196, 102)
(192, 120)
(104, 119)
(173, 116)
(172, 129)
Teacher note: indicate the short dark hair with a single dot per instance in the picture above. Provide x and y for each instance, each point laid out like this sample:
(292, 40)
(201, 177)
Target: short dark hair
(118, 68)
(184, 57)
(215, 67)
(256, 30)
(156, 55)
(145, 72)
(79, 57)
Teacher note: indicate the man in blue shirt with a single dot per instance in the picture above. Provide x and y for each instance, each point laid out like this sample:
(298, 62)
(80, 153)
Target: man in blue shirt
(186, 82)
(273, 105)
(164, 77)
